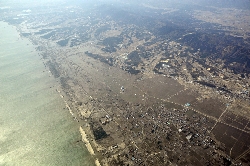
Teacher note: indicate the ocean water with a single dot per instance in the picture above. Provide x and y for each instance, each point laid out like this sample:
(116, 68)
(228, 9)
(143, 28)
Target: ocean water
(34, 127)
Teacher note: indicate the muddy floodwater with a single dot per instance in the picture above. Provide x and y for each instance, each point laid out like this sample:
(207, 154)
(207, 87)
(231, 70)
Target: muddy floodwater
(35, 127)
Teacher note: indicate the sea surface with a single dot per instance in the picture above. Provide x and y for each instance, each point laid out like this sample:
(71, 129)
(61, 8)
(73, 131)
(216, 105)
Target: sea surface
(35, 129)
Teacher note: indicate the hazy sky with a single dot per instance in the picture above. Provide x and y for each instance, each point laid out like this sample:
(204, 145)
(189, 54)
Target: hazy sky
(217, 3)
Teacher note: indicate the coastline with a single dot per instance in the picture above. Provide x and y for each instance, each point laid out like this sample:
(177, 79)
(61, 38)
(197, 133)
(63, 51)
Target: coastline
(136, 99)
(88, 145)
(84, 132)
(31, 106)
(86, 141)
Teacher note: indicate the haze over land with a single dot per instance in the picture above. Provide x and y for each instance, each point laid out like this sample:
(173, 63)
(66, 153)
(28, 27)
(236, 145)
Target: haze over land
(155, 82)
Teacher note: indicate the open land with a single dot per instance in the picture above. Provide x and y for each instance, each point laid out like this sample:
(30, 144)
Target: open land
(147, 91)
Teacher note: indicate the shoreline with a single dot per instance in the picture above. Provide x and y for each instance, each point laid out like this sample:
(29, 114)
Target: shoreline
(137, 98)
(88, 145)
(31, 57)
(86, 141)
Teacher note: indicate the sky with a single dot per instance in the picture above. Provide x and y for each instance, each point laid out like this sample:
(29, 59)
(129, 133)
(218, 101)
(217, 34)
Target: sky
(215, 3)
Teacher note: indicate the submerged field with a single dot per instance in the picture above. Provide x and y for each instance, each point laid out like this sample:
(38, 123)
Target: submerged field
(146, 86)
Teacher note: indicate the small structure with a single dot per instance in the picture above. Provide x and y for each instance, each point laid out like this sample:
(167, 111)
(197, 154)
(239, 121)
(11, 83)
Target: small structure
(189, 137)
(122, 89)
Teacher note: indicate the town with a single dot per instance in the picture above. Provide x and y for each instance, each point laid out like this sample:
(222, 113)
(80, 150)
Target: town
(147, 91)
